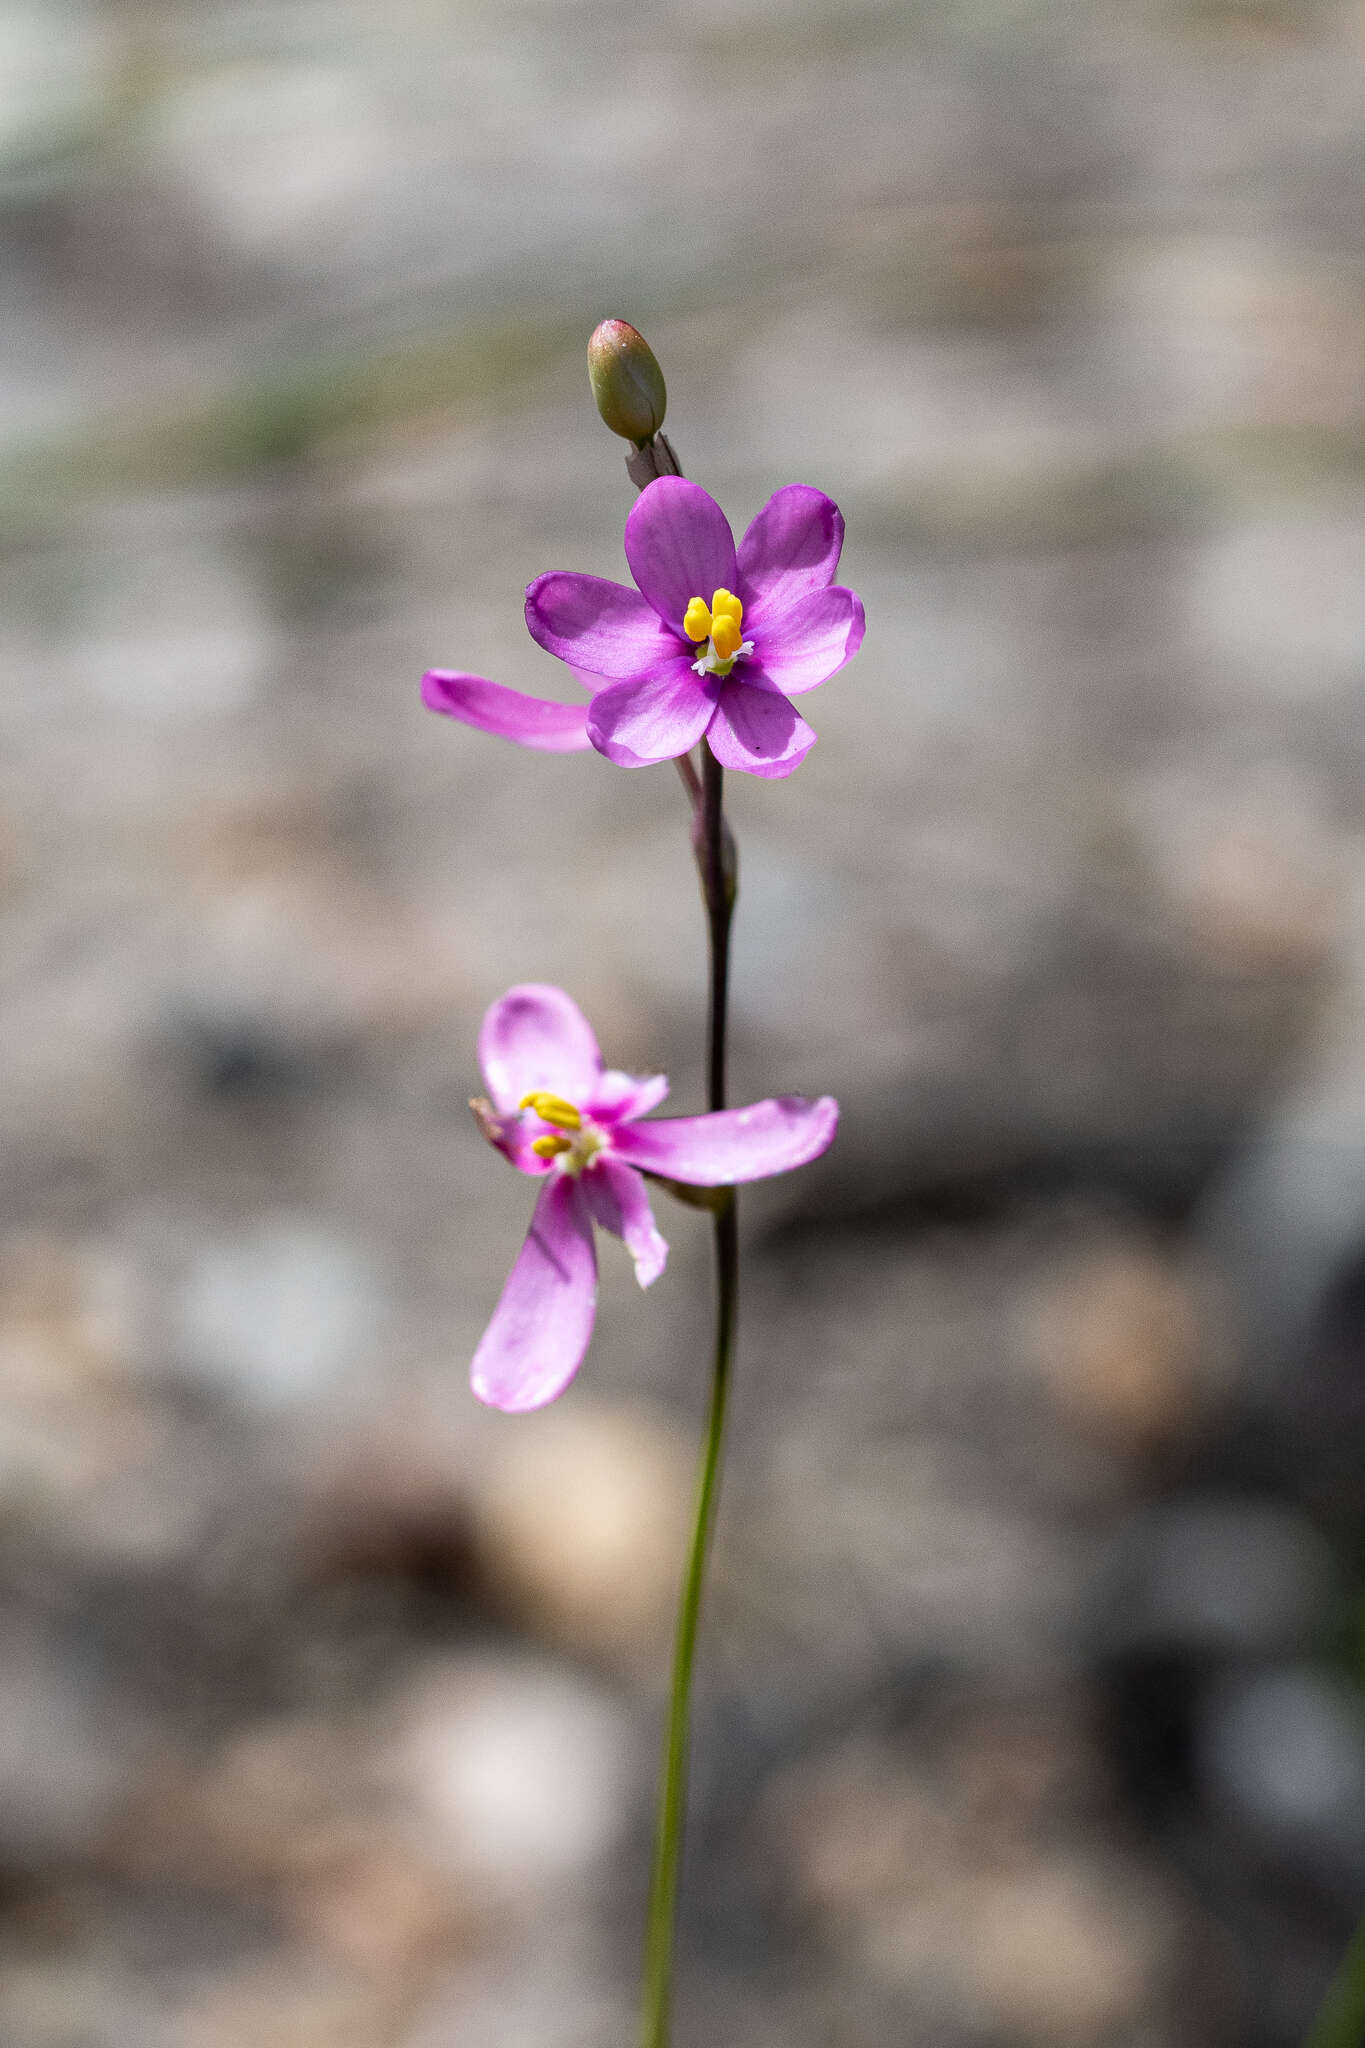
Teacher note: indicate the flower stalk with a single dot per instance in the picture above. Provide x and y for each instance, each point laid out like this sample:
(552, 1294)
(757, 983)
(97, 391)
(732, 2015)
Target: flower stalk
(655, 458)
(718, 869)
(663, 1889)
(717, 859)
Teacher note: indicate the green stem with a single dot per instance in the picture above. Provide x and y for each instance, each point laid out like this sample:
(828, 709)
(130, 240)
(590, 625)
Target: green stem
(715, 862)
(1341, 2018)
(663, 1890)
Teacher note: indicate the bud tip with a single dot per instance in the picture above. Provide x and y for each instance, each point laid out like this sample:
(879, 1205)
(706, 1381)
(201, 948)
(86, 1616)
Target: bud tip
(627, 382)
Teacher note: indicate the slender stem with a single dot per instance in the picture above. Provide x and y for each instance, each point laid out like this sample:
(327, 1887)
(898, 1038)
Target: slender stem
(715, 860)
(1341, 2017)
(718, 868)
(663, 1890)
(716, 865)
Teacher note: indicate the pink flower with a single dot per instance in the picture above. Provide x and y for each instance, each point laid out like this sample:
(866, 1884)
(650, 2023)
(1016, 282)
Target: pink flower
(714, 642)
(574, 1125)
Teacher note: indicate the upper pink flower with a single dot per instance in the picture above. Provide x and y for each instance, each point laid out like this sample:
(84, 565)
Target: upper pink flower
(714, 642)
(557, 1113)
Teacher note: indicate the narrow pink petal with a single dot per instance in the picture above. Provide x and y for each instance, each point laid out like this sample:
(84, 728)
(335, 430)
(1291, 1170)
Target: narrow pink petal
(757, 731)
(789, 550)
(539, 1330)
(597, 626)
(537, 1037)
(616, 1196)
(619, 1095)
(679, 546)
(530, 721)
(733, 1145)
(798, 649)
(655, 717)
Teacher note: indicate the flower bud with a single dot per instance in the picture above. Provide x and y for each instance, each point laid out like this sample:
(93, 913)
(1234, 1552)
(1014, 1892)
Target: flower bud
(626, 381)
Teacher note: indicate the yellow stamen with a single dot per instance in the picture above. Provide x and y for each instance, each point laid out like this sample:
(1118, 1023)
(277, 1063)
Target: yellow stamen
(552, 1109)
(551, 1147)
(724, 604)
(726, 637)
(697, 619)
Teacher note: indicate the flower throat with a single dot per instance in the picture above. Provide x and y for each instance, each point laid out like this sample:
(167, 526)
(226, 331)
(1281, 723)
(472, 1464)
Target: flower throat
(719, 624)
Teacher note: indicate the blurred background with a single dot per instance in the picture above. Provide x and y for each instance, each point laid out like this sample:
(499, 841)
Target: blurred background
(1032, 1696)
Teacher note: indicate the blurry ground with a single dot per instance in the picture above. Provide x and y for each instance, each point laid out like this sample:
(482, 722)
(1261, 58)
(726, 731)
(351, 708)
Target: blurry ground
(1032, 1701)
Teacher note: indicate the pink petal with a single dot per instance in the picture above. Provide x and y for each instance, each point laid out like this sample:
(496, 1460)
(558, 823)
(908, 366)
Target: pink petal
(535, 1341)
(616, 1196)
(679, 546)
(800, 648)
(596, 626)
(789, 550)
(654, 717)
(530, 721)
(757, 731)
(619, 1095)
(537, 1037)
(733, 1145)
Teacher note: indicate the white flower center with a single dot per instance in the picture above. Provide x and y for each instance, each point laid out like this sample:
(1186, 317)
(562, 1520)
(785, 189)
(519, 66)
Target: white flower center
(714, 664)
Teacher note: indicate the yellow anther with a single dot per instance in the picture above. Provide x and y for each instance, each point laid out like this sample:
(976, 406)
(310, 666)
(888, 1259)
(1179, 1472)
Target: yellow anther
(697, 619)
(724, 604)
(551, 1147)
(552, 1109)
(726, 637)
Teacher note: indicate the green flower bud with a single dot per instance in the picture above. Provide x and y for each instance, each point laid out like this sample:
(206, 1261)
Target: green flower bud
(626, 381)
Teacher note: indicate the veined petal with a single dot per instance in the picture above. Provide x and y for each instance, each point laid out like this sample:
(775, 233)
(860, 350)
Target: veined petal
(733, 1145)
(537, 1037)
(679, 546)
(757, 731)
(597, 625)
(535, 1341)
(618, 1095)
(530, 721)
(616, 1196)
(789, 550)
(798, 649)
(654, 717)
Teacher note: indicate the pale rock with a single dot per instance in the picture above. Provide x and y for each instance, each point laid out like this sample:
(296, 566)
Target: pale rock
(58, 73)
(84, 1440)
(1068, 1949)
(1119, 1335)
(535, 1997)
(278, 1312)
(1048, 1942)
(287, 1997)
(1276, 611)
(518, 1776)
(1218, 1575)
(62, 1751)
(582, 1515)
(1248, 857)
(168, 635)
(1285, 1747)
(278, 155)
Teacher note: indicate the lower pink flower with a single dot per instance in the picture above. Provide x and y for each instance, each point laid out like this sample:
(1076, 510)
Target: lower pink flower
(561, 1116)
